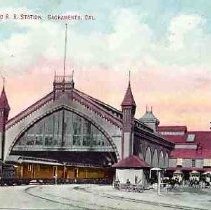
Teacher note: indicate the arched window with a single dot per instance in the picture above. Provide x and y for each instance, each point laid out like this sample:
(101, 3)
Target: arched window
(166, 160)
(62, 129)
(161, 160)
(148, 156)
(155, 159)
(141, 151)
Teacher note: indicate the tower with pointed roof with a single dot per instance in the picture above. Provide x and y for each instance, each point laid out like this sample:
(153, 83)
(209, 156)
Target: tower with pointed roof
(4, 113)
(149, 119)
(128, 112)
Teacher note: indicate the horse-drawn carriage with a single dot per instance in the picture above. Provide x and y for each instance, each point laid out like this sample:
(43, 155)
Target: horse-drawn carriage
(129, 187)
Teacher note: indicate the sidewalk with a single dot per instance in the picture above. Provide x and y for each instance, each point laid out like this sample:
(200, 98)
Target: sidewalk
(198, 199)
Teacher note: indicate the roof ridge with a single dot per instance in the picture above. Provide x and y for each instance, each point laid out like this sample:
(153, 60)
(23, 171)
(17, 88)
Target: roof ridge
(99, 102)
(24, 112)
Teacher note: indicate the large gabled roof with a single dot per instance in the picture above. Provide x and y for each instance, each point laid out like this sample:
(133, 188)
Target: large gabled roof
(30, 109)
(102, 108)
(100, 103)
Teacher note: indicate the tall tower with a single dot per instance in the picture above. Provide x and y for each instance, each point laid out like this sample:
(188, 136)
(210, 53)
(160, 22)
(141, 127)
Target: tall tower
(128, 111)
(4, 113)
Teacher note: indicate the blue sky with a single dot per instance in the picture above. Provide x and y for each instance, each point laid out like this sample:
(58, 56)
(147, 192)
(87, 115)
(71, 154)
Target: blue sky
(157, 13)
(165, 43)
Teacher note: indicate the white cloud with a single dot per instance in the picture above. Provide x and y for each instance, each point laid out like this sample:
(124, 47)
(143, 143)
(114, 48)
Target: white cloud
(185, 46)
(184, 27)
(131, 44)
(41, 40)
(175, 61)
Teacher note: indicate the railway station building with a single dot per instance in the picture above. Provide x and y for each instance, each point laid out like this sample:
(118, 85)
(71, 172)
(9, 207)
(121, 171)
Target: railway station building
(72, 127)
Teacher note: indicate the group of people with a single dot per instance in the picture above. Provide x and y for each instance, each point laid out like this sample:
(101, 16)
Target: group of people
(193, 180)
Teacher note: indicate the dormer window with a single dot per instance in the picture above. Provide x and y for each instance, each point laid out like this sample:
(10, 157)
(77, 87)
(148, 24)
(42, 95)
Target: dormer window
(190, 138)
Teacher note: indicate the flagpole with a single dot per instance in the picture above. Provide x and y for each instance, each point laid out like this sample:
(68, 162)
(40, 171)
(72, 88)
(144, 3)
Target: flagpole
(65, 50)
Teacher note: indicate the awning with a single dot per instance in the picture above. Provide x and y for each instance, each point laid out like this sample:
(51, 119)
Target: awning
(156, 169)
(178, 172)
(207, 172)
(194, 172)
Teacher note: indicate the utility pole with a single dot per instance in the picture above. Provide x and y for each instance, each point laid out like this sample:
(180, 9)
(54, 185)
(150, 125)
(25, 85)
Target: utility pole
(158, 170)
(159, 181)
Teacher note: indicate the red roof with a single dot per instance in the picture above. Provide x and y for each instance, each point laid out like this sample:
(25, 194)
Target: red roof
(3, 100)
(191, 153)
(128, 99)
(175, 139)
(202, 140)
(131, 162)
(186, 153)
(172, 128)
(188, 169)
